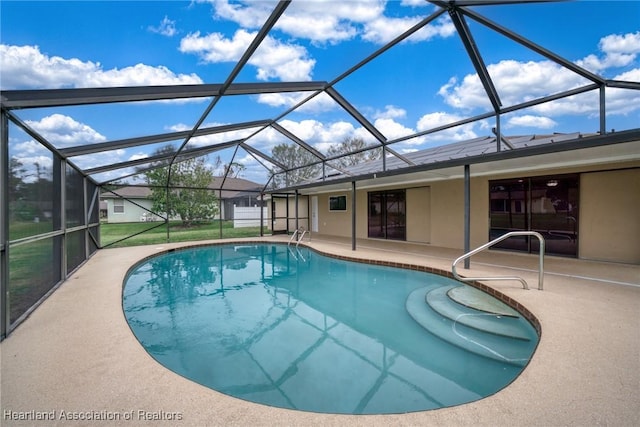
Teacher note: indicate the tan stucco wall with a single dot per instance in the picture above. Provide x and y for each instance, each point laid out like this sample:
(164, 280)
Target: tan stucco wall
(434, 214)
(447, 213)
(419, 214)
(609, 212)
(335, 223)
(609, 226)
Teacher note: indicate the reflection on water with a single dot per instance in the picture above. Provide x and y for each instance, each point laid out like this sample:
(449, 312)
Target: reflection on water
(291, 328)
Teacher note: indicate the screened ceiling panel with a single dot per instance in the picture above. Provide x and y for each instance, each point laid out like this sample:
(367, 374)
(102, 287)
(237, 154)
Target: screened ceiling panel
(75, 126)
(228, 82)
(124, 155)
(325, 130)
(224, 136)
(526, 75)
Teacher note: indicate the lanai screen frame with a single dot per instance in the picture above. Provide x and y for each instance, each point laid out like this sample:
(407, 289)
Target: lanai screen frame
(460, 12)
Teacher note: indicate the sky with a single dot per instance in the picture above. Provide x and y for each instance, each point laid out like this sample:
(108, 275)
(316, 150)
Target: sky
(424, 82)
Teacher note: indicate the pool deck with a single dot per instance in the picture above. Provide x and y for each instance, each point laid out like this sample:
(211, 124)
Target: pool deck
(76, 355)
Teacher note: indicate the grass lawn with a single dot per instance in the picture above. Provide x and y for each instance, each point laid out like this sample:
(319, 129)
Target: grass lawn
(110, 233)
(34, 269)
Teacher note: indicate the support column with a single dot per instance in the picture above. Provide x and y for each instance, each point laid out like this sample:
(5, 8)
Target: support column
(353, 215)
(603, 111)
(261, 214)
(467, 213)
(4, 225)
(498, 134)
(59, 215)
(220, 210)
(296, 210)
(287, 213)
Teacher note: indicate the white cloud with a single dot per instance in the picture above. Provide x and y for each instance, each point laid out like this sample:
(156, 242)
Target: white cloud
(332, 22)
(215, 47)
(167, 28)
(384, 29)
(320, 103)
(138, 156)
(531, 121)
(63, 131)
(27, 67)
(518, 82)
(391, 112)
(29, 147)
(318, 21)
(103, 158)
(319, 27)
(515, 82)
(434, 120)
(414, 3)
(248, 14)
(619, 51)
(273, 59)
(286, 62)
(320, 135)
(392, 129)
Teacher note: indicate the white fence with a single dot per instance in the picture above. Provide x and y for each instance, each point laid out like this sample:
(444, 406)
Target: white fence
(248, 217)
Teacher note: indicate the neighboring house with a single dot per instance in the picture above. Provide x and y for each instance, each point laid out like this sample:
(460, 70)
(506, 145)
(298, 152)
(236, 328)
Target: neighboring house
(129, 204)
(103, 210)
(132, 203)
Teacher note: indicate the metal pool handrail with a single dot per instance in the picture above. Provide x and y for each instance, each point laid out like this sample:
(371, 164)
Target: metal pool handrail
(498, 240)
(295, 233)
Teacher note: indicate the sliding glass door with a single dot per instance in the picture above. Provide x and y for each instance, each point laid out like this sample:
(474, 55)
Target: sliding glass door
(547, 204)
(387, 215)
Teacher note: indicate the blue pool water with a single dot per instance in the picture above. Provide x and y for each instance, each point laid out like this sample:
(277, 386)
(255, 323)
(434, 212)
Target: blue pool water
(295, 329)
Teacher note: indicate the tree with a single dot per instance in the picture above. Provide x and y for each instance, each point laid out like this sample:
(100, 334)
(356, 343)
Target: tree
(349, 145)
(235, 169)
(232, 170)
(16, 173)
(188, 196)
(292, 156)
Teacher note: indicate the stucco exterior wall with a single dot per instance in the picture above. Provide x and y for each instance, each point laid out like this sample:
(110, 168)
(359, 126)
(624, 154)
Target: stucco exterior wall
(609, 227)
(609, 209)
(337, 223)
(418, 214)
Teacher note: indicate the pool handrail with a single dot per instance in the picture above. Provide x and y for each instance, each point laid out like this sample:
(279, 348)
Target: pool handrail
(498, 240)
(300, 230)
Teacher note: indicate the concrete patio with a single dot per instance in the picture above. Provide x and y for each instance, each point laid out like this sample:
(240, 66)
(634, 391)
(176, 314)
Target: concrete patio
(75, 356)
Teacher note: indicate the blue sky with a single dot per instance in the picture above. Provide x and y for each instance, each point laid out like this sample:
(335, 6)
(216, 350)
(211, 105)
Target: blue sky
(419, 84)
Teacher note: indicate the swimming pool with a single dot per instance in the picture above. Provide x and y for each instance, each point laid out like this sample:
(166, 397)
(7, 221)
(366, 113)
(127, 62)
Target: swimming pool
(293, 328)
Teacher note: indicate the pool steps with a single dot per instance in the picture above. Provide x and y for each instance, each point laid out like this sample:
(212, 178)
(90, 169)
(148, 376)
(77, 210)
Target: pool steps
(488, 321)
(481, 332)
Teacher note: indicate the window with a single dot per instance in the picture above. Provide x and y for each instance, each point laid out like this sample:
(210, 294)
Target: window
(387, 215)
(337, 203)
(118, 205)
